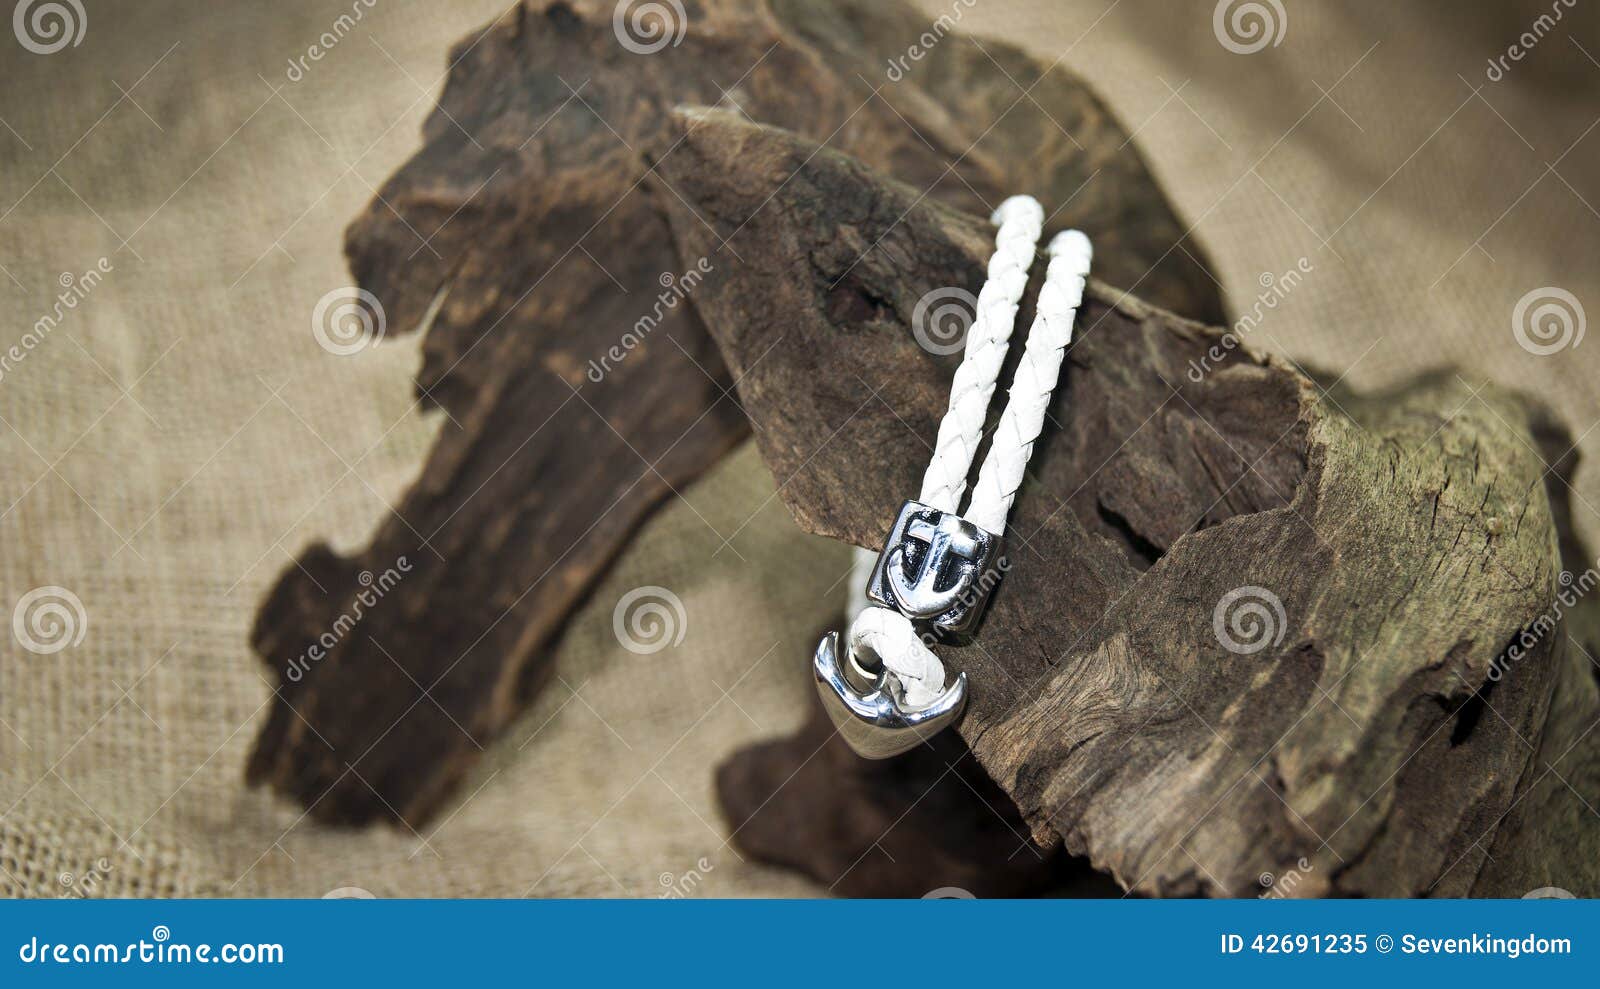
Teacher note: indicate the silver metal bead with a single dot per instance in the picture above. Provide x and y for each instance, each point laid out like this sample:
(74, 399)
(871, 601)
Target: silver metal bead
(937, 567)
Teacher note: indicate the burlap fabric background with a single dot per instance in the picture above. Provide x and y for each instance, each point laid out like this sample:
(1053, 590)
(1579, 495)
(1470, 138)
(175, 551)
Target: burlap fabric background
(180, 434)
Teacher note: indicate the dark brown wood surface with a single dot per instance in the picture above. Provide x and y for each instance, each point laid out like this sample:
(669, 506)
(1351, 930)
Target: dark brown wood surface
(1371, 734)
(526, 239)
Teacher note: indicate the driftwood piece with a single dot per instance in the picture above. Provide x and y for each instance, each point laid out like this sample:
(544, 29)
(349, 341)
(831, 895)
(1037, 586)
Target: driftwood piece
(1255, 635)
(931, 822)
(527, 240)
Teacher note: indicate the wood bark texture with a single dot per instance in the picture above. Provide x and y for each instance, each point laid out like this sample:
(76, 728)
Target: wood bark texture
(1257, 636)
(528, 240)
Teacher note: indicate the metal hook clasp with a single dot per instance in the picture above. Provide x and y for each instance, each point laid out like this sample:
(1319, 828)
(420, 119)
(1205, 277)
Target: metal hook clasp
(876, 723)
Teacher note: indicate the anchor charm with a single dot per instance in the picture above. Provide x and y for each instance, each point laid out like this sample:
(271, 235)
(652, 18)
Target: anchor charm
(877, 723)
(935, 566)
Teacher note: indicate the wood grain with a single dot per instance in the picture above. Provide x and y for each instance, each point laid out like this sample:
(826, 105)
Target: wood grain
(527, 239)
(1372, 733)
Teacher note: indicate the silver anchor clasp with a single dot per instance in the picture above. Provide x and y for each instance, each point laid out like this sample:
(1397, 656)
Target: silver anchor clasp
(876, 723)
(935, 567)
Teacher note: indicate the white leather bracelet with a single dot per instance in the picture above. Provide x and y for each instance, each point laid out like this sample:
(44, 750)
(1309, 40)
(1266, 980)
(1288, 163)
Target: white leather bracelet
(937, 564)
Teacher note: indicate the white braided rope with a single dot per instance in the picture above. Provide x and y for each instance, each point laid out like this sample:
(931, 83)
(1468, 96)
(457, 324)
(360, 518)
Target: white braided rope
(1020, 219)
(889, 635)
(1034, 382)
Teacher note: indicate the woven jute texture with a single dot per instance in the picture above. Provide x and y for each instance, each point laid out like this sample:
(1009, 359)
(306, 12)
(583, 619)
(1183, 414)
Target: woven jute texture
(178, 434)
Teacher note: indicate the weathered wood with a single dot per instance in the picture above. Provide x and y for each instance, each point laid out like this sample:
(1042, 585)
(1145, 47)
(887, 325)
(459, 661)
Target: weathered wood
(1370, 734)
(929, 821)
(526, 239)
